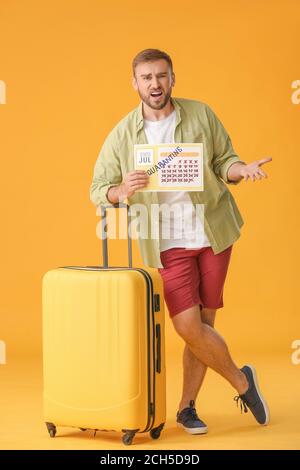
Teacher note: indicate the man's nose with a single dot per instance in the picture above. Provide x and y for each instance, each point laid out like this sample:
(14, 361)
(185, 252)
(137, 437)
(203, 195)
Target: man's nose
(155, 83)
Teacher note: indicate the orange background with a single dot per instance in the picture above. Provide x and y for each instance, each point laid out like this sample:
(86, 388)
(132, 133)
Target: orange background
(67, 69)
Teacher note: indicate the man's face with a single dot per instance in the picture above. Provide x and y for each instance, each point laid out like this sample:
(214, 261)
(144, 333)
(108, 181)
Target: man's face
(153, 82)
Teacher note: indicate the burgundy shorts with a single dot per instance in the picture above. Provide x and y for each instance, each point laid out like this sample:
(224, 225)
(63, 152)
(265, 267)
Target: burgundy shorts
(193, 277)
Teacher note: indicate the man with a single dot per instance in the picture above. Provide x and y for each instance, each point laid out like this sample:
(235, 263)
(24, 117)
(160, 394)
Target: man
(193, 266)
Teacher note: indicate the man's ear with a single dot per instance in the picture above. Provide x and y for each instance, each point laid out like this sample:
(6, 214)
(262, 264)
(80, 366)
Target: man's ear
(173, 79)
(134, 83)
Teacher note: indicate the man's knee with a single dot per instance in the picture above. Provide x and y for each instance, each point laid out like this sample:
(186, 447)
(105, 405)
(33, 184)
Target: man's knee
(190, 329)
(208, 316)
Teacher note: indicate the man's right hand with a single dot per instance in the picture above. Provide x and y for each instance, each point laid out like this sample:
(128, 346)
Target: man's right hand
(131, 182)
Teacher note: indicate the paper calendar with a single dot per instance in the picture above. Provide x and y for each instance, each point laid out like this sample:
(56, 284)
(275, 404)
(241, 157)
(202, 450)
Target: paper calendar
(171, 167)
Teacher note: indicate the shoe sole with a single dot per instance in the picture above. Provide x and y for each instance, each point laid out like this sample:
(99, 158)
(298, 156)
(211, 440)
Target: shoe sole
(202, 430)
(265, 405)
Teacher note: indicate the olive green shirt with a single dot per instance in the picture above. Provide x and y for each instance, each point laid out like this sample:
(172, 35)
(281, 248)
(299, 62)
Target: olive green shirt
(195, 123)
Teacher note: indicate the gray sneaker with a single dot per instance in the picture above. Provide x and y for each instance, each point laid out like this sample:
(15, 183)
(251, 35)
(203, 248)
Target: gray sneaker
(189, 420)
(253, 398)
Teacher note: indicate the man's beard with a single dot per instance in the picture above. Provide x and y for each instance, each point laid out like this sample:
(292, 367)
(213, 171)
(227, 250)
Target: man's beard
(153, 105)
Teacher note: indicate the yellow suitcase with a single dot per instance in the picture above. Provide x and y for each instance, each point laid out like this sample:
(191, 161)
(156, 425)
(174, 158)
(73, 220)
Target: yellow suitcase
(103, 347)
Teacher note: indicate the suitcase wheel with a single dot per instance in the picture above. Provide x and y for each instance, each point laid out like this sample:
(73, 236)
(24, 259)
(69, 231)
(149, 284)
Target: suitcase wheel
(51, 429)
(155, 432)
(127, 438)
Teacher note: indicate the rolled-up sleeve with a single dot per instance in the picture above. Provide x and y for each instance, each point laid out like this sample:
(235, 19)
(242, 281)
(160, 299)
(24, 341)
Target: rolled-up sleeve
(107, 170)
(223, 153)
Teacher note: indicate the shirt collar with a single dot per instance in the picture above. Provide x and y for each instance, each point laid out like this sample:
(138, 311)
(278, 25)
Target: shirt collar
(140, 117)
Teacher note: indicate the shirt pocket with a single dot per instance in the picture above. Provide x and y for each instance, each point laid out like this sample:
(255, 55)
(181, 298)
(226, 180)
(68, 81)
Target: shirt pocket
(193, 137)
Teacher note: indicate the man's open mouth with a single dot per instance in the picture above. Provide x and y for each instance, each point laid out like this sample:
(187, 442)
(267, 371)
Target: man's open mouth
(156, 94)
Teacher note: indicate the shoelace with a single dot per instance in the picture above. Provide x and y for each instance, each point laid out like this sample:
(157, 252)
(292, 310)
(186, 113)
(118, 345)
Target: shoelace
(193, 413)
(241, 401)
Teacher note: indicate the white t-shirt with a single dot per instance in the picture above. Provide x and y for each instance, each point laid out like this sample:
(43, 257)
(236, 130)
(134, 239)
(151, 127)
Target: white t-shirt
(186, 227)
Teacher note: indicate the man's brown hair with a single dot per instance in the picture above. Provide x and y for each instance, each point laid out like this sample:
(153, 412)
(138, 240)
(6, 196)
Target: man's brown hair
(149, 55)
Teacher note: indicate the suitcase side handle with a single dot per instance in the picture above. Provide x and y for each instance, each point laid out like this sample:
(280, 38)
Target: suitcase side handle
(158, 348)
(104, 232)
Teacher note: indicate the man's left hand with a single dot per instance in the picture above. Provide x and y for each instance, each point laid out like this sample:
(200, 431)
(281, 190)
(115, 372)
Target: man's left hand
(253, 170)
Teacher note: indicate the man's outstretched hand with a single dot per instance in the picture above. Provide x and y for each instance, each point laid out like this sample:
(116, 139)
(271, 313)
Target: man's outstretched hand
(252, 170)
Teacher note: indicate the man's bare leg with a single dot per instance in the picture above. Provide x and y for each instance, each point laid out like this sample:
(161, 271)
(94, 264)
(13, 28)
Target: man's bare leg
(209, 347)
(194, 370)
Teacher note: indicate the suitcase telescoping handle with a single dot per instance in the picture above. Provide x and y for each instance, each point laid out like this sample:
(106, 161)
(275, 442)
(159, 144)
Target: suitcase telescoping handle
(104, 232)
